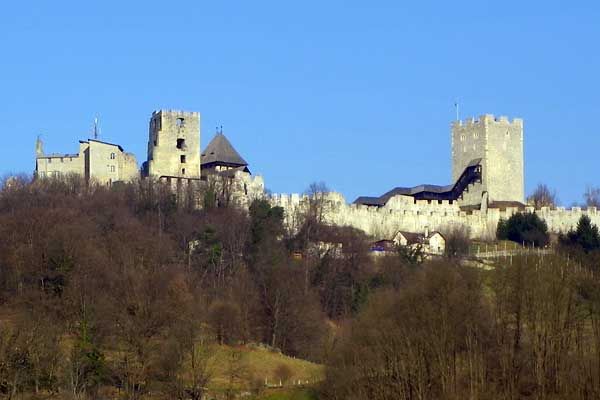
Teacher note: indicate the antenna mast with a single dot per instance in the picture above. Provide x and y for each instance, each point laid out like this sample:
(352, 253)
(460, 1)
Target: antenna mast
(96, 130)
(456, 108)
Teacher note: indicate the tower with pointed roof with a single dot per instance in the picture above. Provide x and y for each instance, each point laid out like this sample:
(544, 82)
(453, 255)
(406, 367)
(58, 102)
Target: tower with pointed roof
(220, 156)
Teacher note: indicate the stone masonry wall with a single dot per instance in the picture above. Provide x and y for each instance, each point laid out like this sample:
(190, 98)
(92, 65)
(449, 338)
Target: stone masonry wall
(504, 162)
(499, 143)
(164, 157)
(403, 213)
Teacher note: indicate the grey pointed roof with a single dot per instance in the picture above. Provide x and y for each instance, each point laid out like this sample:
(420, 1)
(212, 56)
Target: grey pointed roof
(220, 150)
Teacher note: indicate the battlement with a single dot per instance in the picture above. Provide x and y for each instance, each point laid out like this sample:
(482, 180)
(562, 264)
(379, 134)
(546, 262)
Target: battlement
(488, 119)
(177, 112)
(383, 222)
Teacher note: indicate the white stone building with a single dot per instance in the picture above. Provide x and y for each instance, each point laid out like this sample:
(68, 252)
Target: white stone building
(96, 161)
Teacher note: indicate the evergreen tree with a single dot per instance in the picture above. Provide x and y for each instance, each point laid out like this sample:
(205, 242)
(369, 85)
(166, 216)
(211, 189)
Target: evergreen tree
(586, 236)
(526, 228)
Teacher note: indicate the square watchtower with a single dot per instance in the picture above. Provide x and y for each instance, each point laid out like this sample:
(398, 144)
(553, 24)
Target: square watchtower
(174, 144)
(498, 142)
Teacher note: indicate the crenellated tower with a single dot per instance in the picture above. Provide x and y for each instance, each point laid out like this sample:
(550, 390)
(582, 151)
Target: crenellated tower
(174, 144)
(498, 142)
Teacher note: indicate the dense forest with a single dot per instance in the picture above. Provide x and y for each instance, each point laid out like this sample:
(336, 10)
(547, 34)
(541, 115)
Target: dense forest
(124, 292)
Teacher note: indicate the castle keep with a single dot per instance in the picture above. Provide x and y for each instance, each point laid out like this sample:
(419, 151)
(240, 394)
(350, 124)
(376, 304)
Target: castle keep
(174, 144)
(498, 143)
(487, 166)
(487, 179)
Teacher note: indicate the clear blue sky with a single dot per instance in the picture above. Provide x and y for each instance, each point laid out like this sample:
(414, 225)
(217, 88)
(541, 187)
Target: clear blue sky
(358, 94)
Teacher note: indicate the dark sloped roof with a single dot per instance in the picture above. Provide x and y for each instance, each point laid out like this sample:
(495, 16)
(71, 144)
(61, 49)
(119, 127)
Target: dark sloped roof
(434, 192)
(405, 191)
(100, 141)
(412, 237)
(220, 150)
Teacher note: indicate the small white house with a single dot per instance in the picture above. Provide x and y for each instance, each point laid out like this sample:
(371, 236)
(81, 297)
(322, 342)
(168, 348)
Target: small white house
(432, 242)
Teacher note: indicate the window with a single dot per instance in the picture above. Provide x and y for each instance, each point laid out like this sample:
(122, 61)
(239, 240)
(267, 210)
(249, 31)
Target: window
(112, 168)
(180, 122)
(181, 144)
(462, 138)
(182, 159)
(182, 171)
(112, 156)
(49, 161)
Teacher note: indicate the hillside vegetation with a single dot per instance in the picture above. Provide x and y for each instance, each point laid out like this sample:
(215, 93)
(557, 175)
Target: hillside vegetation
(128, 292)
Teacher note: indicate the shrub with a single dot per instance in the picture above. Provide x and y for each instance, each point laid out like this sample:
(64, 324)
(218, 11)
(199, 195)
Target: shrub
(283, 373)
(457, 242)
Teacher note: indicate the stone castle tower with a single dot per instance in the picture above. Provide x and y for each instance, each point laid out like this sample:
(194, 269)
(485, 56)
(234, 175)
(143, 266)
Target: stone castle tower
(498, 142)
(174, 144)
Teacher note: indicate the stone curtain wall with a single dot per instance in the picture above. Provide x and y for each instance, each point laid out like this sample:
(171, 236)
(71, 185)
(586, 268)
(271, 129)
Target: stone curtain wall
(402, 213)
(128, 167)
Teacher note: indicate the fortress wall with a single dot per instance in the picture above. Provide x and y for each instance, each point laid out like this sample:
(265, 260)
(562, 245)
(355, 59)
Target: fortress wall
(473, 194)
(50, 166)
(402, 213)
(128, 167)
(247, 188)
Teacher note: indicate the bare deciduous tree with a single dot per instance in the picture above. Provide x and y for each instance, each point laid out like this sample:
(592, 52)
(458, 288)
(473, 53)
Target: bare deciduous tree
(592, 197)
(543, 196)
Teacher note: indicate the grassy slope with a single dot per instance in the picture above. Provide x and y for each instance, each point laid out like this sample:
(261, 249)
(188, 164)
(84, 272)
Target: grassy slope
(260, 363)
(299, 394)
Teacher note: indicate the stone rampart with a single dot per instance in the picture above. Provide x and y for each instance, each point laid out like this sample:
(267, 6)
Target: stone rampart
(406, 214)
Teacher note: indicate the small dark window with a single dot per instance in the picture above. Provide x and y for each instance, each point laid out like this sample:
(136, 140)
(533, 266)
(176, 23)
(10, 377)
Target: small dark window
(182, 159)
(112, 156)
(182, 171)
(180, 122)
(155, 143)
(180, 143)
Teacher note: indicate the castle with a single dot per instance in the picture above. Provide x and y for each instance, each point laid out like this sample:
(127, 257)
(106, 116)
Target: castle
(487, 172)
